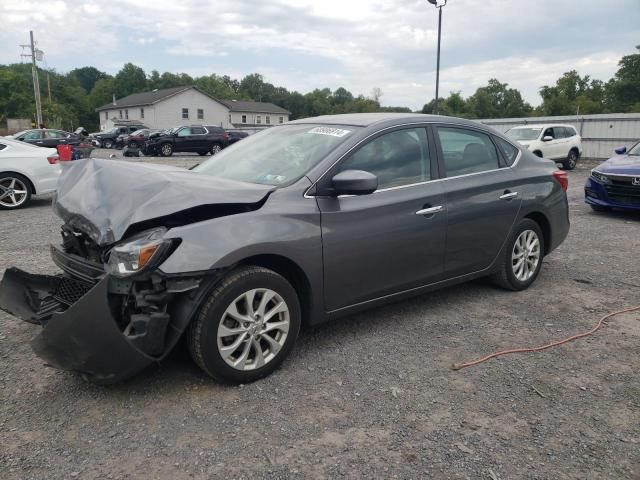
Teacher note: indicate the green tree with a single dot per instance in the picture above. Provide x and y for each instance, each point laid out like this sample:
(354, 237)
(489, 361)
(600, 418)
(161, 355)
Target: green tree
(130, 79)
(86, 77)
(623, 90)
(496, 100)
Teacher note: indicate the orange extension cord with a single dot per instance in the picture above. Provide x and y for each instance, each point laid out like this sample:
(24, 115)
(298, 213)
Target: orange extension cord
(459, 366)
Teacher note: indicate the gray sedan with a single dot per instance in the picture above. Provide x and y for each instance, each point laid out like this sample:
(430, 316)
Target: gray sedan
(303, 222)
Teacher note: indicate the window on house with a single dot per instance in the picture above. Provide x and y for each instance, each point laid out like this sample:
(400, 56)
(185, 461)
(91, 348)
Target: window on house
(185, 113)
(281, 120)
(267, 120)
(142, 113)
(244, 119)
(106, 115)
(258, 119)
(230, 121)
(200, 114)
(120, 113)
(126, 114)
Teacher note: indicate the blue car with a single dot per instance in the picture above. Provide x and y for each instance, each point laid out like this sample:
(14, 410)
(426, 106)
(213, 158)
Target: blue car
(616, 182)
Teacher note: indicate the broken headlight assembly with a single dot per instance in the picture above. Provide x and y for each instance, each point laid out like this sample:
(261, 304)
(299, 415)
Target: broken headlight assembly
(139, 252)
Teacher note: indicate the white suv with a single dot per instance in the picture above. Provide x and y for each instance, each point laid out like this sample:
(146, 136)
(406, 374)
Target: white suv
(556, 142)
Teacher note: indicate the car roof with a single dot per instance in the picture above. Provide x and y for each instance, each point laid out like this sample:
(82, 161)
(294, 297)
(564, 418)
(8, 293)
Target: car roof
(543, 125)
(390, 118)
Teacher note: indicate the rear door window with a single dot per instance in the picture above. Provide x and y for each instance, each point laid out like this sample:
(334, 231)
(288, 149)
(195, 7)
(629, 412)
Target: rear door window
(198, 131)
(466, 151)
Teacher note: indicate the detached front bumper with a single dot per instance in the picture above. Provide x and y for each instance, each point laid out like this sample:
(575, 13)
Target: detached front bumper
(83, 337)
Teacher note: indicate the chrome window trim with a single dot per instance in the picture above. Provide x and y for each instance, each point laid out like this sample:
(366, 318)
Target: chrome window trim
(424, 123)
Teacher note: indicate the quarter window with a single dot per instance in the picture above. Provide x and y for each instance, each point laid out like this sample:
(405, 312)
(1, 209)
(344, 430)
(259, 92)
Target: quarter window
(396, 158)
(200, 114)
(185, 113)
(509, 151)
(466, 151)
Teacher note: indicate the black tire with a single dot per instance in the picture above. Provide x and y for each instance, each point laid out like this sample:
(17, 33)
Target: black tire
(216, 148)
(505, 276)
(166, 149)
(571, 161)
(107, 144)
(20, 183)
(202, 154)
(133, 144)
(598, 208)
(202, 334)
(538, 153)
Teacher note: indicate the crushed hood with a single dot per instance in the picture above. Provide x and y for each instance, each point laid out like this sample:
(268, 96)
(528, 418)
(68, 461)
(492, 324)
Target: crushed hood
(104, 198)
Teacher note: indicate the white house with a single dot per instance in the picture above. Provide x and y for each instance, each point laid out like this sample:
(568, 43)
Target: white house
(171, 107)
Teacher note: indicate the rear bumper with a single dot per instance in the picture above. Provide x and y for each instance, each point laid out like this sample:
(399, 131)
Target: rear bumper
(82, 337)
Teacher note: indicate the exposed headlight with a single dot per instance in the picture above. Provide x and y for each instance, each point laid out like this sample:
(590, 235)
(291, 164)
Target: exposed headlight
(143, 250)
(600, 176)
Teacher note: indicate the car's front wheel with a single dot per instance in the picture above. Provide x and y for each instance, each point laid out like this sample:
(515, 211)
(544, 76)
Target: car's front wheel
(14, 191)
(246, 327)
(522, 259)
(166, 150)
(107, 143)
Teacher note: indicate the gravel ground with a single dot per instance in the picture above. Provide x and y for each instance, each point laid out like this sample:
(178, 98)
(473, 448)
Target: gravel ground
(370, 396)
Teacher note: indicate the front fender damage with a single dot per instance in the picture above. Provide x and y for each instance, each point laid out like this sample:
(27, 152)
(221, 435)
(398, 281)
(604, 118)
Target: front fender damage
(108, 332)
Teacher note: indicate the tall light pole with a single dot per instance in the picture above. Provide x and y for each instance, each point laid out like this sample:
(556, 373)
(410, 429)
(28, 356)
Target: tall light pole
(438, 4)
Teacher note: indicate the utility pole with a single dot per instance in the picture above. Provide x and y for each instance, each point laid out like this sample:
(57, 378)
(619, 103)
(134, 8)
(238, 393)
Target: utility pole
(34, 73)
(438, 4)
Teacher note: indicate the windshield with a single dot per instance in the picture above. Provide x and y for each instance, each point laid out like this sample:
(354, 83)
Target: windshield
(276, 156)
(523, 133)
(635, 150)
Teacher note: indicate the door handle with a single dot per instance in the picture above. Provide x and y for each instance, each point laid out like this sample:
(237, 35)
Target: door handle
(429, 211)
(508, 195)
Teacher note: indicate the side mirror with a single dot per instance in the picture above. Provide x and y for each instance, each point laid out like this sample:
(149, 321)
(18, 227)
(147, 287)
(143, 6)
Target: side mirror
(621, 150)
(354, 182)
(547, 138)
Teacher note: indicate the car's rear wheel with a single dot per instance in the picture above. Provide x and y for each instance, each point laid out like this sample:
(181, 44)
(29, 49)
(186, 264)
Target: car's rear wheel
(522, 259)
(166, 150)
(215, 148)
(107, 143)
(15, 191)
(571, 161)
(246, 327)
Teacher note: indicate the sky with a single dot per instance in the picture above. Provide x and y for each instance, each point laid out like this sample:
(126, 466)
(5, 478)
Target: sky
(356, 44)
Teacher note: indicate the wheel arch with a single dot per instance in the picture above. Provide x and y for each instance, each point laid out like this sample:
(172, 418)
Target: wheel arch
(292, 272)
(544, 224)
(31, 185)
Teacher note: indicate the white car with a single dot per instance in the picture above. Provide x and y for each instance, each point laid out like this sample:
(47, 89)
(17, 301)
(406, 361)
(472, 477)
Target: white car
(556, 142)
(25, 170)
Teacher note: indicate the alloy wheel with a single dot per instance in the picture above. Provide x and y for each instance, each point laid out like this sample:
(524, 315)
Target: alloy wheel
(525, 255)
(167, 150)
(215, 149)
(253, 329)
(13, 192)
(573, 159)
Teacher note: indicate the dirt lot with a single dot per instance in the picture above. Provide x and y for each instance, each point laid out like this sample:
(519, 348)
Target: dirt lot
(371, 396)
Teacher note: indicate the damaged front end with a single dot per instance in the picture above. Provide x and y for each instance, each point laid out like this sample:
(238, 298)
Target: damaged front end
(111, 313)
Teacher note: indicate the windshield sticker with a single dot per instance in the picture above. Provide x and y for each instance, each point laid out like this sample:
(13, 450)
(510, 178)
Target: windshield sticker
(334, 132)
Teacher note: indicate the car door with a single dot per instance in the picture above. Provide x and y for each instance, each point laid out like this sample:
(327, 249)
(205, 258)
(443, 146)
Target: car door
(482, 203)
(393, 239)
(551, 148)
(182, 140)
(199, 141)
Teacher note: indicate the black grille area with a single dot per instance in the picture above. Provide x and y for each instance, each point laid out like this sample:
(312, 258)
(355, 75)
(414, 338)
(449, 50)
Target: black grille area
(621, 193)
(69, 291)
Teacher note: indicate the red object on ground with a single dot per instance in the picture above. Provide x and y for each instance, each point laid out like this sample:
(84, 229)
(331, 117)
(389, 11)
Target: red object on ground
(65, 152)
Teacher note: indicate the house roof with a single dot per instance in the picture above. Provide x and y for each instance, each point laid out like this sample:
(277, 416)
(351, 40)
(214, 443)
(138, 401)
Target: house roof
(143, 98)
(258, 107)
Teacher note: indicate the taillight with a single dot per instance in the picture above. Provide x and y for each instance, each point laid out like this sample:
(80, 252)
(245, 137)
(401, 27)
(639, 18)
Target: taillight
(562, 178)
(226, 136)
(53, 159)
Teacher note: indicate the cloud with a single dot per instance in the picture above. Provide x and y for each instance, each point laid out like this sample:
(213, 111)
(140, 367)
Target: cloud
(358, 44)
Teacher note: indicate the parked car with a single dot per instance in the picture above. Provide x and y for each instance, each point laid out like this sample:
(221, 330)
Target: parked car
(46, 137)
(297, 224)
(556, 142)
(235, 136)
(616, 182)
(25, 171)
(107, 139)
(135, 139)
(193, 138)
